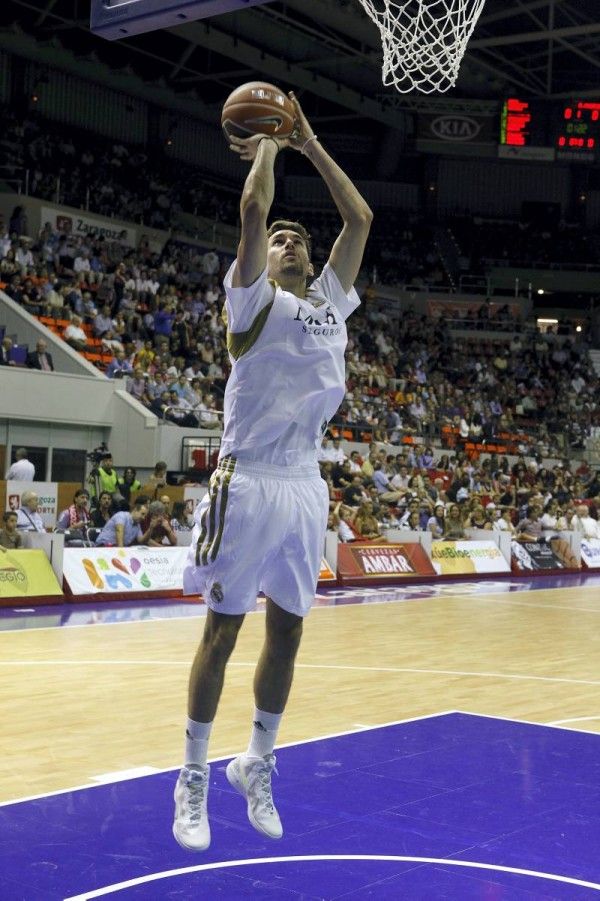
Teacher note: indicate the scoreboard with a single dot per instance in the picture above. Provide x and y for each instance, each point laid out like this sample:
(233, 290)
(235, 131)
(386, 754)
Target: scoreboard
(571, 129)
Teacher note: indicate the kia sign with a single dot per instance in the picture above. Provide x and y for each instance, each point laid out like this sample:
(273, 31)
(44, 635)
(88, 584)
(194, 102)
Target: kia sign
(456, 128)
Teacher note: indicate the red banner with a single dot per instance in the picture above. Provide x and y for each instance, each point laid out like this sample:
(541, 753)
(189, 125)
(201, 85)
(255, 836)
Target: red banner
(376, 562)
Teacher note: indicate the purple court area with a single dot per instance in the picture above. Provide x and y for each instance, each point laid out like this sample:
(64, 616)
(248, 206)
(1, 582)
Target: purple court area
(452, 806)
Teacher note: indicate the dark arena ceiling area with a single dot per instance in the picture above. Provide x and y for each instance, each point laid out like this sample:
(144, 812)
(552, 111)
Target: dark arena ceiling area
(328, 51)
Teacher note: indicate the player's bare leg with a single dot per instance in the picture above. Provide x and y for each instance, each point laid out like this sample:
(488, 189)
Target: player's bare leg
(250, 773)
(191, 827)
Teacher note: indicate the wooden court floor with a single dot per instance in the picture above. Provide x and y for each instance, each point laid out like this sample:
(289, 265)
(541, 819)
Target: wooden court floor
(80, 702)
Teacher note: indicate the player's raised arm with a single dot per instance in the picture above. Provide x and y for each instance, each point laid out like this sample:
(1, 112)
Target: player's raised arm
(347, 252)
(257, 198)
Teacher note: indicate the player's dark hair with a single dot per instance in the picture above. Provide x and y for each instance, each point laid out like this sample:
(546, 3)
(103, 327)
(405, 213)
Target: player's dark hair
(287, 225)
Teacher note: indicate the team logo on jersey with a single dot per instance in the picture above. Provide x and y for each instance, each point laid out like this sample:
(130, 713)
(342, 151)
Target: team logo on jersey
(216, 593)
(326, 325)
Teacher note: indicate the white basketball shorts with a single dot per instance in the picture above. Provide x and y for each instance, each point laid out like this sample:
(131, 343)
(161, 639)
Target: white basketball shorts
(260, 527)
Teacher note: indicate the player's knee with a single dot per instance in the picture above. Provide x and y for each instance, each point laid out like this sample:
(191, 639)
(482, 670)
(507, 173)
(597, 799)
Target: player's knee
(221, 635)
(284, 637)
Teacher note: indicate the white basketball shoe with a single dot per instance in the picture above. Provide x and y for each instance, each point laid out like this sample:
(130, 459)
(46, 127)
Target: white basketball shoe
(251, 776)
(190, 826)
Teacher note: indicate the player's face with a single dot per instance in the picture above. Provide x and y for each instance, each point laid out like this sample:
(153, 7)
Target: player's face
(287, 256)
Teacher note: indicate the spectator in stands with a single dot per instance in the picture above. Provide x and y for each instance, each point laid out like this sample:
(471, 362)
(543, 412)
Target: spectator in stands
(436, 523)
(5, 352)
(22, 470)
(530, 528)
(76, 519)
(157, 480)
(137, 385)
(74, 334)
(180, 411)
(454, 529)
(28, 518)
(103, 510)
(10, 537)
(180, 518)
(119, 366)
(128, 483)
(123, 528)
(584, 523)
(40, 358)
(365, 523)
(158, 529)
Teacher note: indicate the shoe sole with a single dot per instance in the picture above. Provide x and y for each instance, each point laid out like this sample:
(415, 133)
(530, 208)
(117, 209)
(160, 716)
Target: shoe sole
(232, 778)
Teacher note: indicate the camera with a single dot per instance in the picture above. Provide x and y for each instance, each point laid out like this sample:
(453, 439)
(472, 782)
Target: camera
(97, 454)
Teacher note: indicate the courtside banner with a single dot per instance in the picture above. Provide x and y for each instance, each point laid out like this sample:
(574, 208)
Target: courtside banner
(124, 570)
(531, 555)
(375, 562)
(47, 493)
(590, 552)
(458, 558)
(27, 574)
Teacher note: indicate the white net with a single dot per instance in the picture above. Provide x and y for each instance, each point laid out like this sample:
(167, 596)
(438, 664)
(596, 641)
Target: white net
(424, 41)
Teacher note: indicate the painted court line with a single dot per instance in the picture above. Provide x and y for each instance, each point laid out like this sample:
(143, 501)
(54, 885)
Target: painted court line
(318, 666)
(309, 858)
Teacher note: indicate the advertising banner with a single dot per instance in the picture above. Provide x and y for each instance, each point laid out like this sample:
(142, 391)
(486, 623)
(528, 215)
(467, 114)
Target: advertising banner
(532, 555)
(47, 493)
(375, 562)
(129, 570)
(192, 495)
(457, 128)
(590, 552)
(457, 558)
(26, 574)
(82, 223)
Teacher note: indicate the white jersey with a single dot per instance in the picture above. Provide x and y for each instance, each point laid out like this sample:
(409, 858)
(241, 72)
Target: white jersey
(288, 367)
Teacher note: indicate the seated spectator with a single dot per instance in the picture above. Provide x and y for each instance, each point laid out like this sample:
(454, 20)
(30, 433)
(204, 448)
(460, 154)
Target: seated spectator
(40, 358)
(137, 384)
(157, 480)
(118, 366)
(454, 529)
(158, 530)
(584, 523)
(103, 322)
(103, 510)
(355, 493)
(530, 527)
(74, 334)
(123, 528)
(413, 523)
(28, 518)
(10, 538)
(344, 523)
(76, 519)
(5, 352)
(477, 519)
(365, 523)
(180, 411)
(503, 522)
(435, 523)
(180, 518)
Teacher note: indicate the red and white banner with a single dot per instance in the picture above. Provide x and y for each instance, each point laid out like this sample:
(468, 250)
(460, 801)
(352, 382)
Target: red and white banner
(124, 570)
(375, 562)
(458, 558)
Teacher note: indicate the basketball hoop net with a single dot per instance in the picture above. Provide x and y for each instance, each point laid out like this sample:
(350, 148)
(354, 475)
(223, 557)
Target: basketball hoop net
(424, 41)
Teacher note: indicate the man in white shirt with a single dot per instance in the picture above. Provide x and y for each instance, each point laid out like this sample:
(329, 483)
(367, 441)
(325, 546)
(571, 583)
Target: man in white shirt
(28, 518)
(262, 524)
(22, 469)
(583, 522)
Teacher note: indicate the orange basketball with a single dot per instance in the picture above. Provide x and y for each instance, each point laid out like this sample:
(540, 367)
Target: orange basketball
(258, 108)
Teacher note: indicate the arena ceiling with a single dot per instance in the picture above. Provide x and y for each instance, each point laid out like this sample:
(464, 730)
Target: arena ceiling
(326, 50)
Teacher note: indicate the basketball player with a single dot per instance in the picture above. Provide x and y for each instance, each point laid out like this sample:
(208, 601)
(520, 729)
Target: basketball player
(261, 526)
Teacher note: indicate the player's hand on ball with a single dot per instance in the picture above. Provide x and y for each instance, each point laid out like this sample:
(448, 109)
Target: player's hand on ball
(303, 131)
(247, 148)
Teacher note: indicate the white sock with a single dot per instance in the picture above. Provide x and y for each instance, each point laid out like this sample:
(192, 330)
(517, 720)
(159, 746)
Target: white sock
(196, 743)
(264, 733)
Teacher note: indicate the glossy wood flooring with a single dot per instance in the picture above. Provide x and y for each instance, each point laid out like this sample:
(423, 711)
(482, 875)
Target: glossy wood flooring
(76, 703)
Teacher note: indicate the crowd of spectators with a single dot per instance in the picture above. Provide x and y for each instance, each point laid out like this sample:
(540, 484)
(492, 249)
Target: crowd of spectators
(452, 494)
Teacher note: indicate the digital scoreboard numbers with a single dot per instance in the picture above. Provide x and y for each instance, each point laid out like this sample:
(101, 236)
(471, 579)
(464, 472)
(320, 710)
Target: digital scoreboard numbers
(541, 130)
(515, 123)
(580, 127)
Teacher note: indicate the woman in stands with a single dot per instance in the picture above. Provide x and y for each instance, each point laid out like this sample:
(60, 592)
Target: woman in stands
(454, 529)
(365, 522)
(128, 483)
(436, 523)
(180, 519)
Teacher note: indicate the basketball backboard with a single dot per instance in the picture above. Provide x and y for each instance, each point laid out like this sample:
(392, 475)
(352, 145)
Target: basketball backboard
(114, 19)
